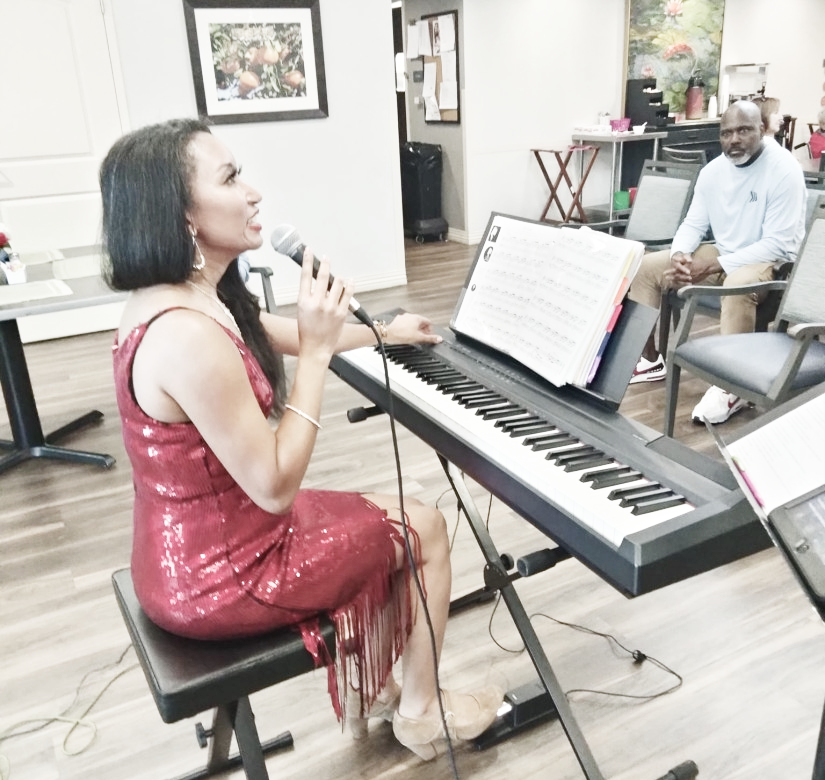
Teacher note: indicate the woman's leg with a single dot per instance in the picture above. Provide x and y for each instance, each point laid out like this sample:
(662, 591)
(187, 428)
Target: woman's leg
(471, 714)
(418, 692)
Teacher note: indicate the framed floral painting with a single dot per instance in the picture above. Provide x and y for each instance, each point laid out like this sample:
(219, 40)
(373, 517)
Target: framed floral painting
(672, 40)
(257, 60)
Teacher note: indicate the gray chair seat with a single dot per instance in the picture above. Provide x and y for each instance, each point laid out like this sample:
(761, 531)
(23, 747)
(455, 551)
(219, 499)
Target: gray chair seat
(753, 360)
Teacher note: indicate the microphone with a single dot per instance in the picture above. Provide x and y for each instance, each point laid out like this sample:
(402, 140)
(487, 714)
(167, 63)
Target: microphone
(286, 241)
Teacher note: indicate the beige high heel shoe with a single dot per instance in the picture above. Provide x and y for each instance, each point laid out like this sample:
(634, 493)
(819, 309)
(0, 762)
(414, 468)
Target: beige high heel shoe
(425, 736)
(383, 707)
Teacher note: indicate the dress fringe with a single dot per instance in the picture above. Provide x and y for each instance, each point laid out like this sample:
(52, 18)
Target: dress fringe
(370, 632)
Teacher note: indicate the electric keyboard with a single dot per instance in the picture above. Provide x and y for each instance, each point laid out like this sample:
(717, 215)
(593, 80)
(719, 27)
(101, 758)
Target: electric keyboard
(640, 509)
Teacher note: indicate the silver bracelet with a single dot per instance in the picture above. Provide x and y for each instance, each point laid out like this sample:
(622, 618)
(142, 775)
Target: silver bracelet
(381, 327)
(304, 415)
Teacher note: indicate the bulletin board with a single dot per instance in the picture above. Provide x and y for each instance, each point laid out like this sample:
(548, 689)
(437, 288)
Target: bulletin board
(440, 56)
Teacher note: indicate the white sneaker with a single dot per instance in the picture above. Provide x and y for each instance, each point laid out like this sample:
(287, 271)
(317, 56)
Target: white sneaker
(716, 406)
(649, 370)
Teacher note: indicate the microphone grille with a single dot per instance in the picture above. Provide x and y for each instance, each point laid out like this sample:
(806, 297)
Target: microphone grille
(285, 240)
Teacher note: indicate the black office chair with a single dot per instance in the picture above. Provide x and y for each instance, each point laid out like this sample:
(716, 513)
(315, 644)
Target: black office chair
(763, 368)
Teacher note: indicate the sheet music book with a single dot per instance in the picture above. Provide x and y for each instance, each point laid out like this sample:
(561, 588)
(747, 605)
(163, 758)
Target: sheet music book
(782, 460)
(546, 296)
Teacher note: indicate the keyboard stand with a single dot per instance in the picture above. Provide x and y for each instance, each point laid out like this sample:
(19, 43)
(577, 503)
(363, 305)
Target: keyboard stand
(497, 578)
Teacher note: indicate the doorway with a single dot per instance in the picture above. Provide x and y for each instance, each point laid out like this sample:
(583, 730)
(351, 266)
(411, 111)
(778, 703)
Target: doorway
(398, 48)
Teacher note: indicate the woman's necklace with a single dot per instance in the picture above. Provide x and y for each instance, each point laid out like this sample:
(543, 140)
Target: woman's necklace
(215, 301)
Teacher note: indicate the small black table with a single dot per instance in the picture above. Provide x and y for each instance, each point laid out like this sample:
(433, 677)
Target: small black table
(28, 440)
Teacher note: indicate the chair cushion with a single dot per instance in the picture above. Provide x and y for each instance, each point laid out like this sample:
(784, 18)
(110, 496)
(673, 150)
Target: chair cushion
(752, 360)
(188, 676)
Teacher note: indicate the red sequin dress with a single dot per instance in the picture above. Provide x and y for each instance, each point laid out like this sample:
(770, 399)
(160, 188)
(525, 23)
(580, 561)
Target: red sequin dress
(208, 563)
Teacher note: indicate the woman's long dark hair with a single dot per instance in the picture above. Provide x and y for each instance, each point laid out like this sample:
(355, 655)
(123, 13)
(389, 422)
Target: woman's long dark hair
(145, 184)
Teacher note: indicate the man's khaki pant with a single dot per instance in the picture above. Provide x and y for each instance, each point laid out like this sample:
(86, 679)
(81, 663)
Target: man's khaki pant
(738, 311)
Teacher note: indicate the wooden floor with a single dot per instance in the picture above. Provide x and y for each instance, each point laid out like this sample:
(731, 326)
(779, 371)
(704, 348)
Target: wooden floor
(749, 647)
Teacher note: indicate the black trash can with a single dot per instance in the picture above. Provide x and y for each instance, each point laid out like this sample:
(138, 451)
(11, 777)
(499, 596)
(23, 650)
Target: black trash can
(421, 166)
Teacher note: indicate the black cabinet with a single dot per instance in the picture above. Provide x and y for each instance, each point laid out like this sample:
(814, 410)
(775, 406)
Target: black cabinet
(698, 134)
(701, 134)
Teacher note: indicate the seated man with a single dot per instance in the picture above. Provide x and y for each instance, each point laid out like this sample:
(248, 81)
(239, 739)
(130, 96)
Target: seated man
(753, 199)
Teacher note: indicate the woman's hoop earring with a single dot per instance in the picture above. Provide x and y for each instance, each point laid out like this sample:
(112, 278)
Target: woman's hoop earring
(201, 262)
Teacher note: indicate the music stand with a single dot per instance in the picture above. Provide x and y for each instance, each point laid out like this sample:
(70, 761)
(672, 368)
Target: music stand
(796, 529)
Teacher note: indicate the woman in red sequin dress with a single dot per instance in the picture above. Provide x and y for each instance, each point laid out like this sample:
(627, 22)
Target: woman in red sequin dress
(226, 544)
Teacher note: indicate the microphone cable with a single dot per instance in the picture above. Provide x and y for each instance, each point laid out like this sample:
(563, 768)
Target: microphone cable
(390, 408)
(637, 655)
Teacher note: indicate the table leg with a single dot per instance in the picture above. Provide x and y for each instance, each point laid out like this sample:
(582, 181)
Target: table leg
(612, 182)
(28, 440)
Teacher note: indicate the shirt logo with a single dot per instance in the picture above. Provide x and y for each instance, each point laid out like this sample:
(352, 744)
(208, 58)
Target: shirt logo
(753, 197)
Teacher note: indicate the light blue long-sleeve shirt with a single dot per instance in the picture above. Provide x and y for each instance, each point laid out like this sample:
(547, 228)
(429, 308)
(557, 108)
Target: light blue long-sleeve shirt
(756, 212)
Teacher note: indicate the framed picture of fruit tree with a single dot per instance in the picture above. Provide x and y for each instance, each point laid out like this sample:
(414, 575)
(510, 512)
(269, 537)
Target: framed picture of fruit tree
(258, 60)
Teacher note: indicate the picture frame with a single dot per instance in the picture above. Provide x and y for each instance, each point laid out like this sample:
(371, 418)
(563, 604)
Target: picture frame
(257, 60)
(671, 41)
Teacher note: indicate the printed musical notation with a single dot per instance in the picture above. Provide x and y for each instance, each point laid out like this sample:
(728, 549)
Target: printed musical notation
(546, 295)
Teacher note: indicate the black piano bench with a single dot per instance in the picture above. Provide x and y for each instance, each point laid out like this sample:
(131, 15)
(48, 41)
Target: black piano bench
(188, 676)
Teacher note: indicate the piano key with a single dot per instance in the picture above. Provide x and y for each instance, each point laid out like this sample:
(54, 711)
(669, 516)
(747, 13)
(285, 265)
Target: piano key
(508, 425)
(447, 386)
(561, 447)
(626, 492)
(471, 395)
(609, 477)
(487, 402)
(497, 406)
(560, 458)
(433, 377)
(585, 462)
(528, 428)
(657, 504)
(556, 433)
(644, 495)
(424, 365)
(502, 412)
(554, 442)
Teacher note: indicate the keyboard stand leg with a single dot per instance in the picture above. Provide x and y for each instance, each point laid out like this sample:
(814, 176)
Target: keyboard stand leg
(819, 760)
(494, 573)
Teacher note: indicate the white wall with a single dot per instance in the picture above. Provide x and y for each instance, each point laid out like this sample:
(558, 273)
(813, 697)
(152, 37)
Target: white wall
(534, 70)
(336, 179)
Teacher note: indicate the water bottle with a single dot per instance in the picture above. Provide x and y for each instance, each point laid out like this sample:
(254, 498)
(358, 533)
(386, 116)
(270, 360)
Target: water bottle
(694, 97)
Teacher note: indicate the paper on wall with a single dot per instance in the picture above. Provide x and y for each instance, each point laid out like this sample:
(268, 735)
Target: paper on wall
(431, 112)
(448, 95)
(412, 42)
(446, 30)
(425, 47)
(448, 68)
(429, 80)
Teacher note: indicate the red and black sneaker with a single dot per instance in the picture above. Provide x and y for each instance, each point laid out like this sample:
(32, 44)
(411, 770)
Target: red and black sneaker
(649, 370)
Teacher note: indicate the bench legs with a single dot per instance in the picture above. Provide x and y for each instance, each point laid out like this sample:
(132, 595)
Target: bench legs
(236, 717)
